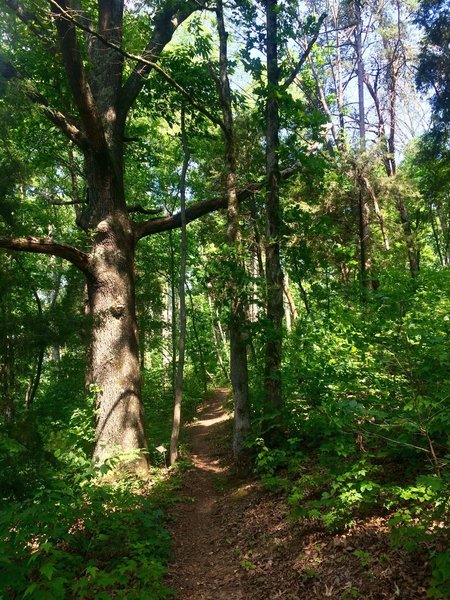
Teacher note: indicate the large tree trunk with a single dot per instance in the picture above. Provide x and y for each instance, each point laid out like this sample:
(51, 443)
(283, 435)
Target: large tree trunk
(115, 369)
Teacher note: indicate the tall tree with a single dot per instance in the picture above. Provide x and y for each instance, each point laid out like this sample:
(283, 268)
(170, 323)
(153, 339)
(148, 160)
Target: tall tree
(178, 395)
(238, 343)
(102, 95)
(274, 273)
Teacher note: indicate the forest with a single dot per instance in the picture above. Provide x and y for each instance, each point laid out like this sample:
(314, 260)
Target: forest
(224, 299)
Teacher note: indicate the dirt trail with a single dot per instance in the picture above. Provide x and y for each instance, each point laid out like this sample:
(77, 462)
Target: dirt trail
(204, 566)
(233, 540)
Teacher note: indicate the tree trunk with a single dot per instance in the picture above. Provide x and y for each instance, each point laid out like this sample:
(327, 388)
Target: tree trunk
(217, 345)
(364, 212)
(291, 313)
(115, 369)
(205, 373)
(238, 342)
(274, 273)
(413, 255)
(178, 396)
(364, 241)
(36, 374)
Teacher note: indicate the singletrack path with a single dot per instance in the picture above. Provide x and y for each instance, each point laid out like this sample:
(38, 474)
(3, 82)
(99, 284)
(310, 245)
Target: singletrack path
(233, 539)
(205, 566)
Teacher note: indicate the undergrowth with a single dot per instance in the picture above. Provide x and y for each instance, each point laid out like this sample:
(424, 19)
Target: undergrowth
(368, 418)
(68, 530)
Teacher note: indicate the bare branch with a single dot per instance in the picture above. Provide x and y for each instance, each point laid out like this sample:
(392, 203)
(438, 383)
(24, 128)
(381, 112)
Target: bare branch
(48, 246)
(305, 54)
(137, 208)
(199, 209)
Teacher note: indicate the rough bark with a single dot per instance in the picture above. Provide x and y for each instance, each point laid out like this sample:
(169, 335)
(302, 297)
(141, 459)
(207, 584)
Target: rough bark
(115, 369)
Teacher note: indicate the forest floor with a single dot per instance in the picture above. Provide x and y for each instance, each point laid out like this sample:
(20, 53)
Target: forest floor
(233, 539)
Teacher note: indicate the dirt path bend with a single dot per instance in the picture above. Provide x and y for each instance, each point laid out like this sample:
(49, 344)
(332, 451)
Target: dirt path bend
(205, 566)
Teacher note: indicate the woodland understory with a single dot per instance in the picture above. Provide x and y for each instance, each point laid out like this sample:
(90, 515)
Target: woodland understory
(233, 215)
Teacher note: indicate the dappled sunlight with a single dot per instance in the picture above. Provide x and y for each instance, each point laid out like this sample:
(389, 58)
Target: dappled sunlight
(199, 545)
(213, 421)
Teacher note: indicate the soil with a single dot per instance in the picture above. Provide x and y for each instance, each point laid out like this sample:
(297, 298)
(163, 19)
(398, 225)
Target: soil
(233, 539)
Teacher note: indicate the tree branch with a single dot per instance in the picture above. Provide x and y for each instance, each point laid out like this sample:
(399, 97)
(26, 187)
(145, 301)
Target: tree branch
(31, 21)
(48, 246)
(166, 23)
(284, 86)
(137, 208)
(65, 123)
(76, 74)
(146, 65)
(199, 209)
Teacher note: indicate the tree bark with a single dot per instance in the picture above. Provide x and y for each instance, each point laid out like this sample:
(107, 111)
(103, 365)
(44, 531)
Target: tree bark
(364, 211)
(115, 369)
(94, 69)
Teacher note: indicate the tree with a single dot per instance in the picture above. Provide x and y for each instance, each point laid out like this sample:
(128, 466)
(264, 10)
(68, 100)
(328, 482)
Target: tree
(434, 58)
(178, 395)
(102, 95)
(238, 343)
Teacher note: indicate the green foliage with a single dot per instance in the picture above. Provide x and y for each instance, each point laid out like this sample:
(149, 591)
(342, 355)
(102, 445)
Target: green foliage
(76, 533)
(368, 412)
(440, 580)
(85, 540)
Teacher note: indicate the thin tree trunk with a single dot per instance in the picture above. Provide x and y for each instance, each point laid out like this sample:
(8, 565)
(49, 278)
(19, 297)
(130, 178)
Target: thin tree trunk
(182, 295)
(257, 236)
(436, 238)
(205, 373)
(413, 255)
(216, 341)
(364, 212)
(35, 378)
(290, 303)
(304, 296)
(238, 343)
(274, 273)
(378, 213)
(173, 315)
(7, 405)
(364, 241)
